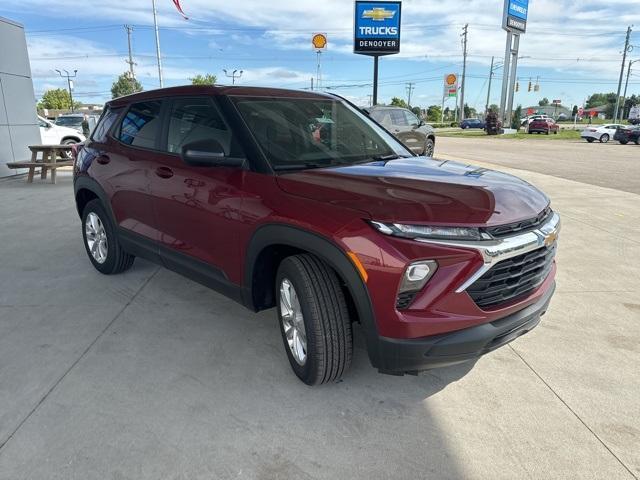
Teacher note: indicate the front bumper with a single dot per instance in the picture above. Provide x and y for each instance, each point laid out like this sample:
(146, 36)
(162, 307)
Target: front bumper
(400, 356)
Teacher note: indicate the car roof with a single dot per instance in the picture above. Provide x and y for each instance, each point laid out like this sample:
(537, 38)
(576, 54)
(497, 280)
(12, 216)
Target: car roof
(217, 90)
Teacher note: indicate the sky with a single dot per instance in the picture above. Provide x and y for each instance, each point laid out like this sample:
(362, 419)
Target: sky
(573, 47)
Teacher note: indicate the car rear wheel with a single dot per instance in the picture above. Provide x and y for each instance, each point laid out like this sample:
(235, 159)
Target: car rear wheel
(623, 142)
(101, 242)
(429, 147)
(604, 138)
(314, 319)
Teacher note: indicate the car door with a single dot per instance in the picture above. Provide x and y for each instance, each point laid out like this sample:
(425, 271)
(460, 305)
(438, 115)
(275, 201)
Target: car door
(48, 134)
(122, 167)
(406, 128)
(196, 207)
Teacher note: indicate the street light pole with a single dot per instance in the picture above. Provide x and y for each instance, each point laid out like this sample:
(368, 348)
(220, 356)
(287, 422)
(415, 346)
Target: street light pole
(68, 76)
(493, 69)
(233, 75)
(155, 26)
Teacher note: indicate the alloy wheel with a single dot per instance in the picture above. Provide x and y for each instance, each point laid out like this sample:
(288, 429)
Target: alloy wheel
(96, 236)
(293, 321)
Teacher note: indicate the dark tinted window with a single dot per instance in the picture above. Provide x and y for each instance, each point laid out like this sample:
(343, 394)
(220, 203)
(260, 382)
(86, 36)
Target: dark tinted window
(398, 118)
(104, 125)
(140, 125)
(196, 119)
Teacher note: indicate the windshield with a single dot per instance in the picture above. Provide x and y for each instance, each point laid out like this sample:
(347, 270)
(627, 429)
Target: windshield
(300, 133)
(69, 121)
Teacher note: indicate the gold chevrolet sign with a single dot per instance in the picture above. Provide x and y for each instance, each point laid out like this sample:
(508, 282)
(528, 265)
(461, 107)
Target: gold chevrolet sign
(378, 14)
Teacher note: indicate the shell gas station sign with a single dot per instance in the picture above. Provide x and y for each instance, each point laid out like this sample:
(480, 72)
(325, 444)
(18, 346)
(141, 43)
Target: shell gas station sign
(451, 85)
(319, 41)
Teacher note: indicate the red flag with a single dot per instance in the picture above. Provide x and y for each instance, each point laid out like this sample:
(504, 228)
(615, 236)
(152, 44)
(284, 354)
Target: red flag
(177, 4)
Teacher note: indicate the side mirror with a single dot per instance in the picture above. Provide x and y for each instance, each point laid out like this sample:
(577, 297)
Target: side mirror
(208, 153)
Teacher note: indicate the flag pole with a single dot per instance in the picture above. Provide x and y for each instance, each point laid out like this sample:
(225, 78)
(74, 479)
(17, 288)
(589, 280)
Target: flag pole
(155, 24)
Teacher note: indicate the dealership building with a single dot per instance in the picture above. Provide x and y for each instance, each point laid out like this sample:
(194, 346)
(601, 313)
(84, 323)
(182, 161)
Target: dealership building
(18, 121)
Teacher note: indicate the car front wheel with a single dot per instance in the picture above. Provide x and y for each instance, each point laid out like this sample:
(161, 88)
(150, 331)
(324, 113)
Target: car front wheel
(604, 138)
(314, 319)
(101, 242)
(429, 147)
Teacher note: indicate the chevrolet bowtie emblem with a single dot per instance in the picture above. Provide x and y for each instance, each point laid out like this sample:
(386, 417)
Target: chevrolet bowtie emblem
(378, 13)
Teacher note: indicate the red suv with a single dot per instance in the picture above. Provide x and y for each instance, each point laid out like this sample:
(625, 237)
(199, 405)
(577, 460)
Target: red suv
(300, 201)
(543, 125)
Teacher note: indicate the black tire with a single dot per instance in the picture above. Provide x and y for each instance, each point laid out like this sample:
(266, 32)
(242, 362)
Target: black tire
(604, 138)
(637, 141)
(623, 142)
(547, 132)
(429, 147)
(325, 316)
(590, 140)
(70, 141)
(117, 260)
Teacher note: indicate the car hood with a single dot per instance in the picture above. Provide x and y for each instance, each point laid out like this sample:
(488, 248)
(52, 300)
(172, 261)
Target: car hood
(421, 190)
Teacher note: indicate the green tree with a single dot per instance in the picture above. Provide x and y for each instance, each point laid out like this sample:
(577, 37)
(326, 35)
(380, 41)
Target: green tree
(417, 111)
(515, 118)
(434, 113)
(469, 112)
(398, 102)
(56, 99)
(206, 79)
(493, 108)
(125, 85)
(544, 102)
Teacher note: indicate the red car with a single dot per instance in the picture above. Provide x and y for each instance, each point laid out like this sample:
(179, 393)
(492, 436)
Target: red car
(300, 201)
(543, 125)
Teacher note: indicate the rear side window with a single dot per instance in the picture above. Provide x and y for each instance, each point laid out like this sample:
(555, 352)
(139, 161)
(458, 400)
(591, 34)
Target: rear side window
(398, 118)
(141, 125)
(195, 119)
(104, 125)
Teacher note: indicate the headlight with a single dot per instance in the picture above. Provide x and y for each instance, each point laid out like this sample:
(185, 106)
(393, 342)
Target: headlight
(425, 231)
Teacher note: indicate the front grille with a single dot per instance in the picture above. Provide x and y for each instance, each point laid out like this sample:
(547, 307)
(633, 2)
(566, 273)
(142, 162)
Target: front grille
(405, 299)
(518, 227)
(512, 278)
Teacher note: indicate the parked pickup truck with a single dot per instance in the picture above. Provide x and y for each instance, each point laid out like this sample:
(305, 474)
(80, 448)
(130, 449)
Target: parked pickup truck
(299, 201)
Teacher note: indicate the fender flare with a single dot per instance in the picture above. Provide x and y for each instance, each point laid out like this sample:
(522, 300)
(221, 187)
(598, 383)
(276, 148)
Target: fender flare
(328, 251)
(88, 183)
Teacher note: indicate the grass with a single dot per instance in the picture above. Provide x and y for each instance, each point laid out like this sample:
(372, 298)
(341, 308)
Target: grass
(562, 135)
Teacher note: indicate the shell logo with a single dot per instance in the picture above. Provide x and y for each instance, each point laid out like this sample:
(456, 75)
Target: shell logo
(451, 79)
(319, 41)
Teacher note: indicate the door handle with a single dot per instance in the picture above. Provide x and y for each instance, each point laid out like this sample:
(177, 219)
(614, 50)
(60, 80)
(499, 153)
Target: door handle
(103, 159)
(164, 172)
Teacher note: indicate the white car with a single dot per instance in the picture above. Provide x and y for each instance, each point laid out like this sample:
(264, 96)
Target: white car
(52, 134)
(602, 133)
(527, 120)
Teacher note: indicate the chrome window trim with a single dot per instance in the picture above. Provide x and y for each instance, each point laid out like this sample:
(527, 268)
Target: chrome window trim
(494, 251)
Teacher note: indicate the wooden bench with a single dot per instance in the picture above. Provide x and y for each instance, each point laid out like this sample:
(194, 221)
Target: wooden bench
(52, 158)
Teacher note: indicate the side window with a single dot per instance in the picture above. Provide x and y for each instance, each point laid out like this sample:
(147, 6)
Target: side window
(42, 123)
(104, 125)
(398, 118)
(195, 119)
(411, 118)
(141, 124)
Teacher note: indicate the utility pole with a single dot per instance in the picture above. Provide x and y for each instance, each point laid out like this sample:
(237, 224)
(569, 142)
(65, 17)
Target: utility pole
(626, 84)
(312, 84)
(131, 63)
(68, 76)
(464, 35)
(370, 100)
(235, 74)
(624, 61)
(155, 25)
(410, 87)
(486, 107)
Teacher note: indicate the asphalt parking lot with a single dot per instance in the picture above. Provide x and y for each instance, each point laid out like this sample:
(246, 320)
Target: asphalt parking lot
(149, 375)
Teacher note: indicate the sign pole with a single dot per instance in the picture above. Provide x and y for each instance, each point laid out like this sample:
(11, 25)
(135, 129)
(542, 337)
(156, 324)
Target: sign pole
(505, 77)
(512, 79)
(375, 79)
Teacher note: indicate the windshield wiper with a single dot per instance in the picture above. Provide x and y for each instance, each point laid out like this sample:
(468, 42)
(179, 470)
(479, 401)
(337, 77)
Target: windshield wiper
(299, 166)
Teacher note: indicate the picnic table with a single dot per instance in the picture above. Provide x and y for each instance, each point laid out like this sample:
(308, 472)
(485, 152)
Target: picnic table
(45, 157)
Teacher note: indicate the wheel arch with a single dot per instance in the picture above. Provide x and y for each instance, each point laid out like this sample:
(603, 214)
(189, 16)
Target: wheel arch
(71, 137)
(87, 189)
(271, 243)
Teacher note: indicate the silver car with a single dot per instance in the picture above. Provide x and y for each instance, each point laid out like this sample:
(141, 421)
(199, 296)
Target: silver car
(406, 127)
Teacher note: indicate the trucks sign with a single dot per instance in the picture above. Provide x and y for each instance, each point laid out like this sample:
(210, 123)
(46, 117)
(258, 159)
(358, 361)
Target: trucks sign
(377, 28)
(515, 15)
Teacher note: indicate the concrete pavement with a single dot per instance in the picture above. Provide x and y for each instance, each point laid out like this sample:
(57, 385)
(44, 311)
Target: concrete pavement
(149, 375)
